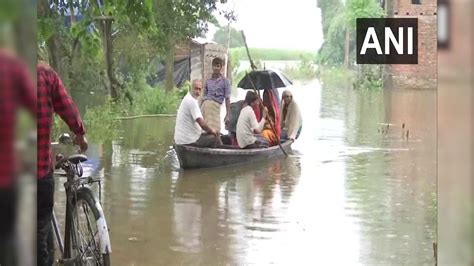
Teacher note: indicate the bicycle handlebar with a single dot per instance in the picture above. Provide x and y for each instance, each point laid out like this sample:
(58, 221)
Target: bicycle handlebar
(70, 164)
(60, 160)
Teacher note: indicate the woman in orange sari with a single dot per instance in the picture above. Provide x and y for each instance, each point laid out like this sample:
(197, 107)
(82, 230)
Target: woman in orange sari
(271, 102)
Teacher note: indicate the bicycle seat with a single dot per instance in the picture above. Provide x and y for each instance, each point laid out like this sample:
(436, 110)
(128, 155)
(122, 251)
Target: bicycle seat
(77, 158)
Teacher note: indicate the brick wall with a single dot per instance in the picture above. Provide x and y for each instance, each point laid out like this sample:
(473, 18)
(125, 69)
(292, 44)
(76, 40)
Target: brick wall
(427, 7)
(424, 74)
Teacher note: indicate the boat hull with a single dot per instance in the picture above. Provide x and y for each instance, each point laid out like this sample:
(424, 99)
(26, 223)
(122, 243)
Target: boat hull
(196, 157)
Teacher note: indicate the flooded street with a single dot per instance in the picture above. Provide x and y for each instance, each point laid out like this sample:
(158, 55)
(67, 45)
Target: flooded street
(351, 193)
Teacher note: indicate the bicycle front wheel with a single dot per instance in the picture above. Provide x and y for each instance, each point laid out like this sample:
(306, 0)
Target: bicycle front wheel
(90, 241)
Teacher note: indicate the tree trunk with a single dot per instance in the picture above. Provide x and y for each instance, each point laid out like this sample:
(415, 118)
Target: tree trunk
(226, 58)
(71, 11)
(55, 55)
(23, 32)
(75, 43)
(346, 49)
(53, 43)
(169, 80)
(106, 29)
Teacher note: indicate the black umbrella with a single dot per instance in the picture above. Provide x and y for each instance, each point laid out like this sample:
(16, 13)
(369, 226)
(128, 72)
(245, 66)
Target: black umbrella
(264, 79)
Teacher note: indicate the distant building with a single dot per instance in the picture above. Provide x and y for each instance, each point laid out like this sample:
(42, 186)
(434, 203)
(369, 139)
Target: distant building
(193, 59)
(200, 53)
(424, 74)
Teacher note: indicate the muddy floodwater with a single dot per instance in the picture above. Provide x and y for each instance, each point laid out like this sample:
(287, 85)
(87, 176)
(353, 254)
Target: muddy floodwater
(354, 191)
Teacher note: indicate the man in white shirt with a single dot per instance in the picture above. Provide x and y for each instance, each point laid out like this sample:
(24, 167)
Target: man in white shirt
(247, 125)
(190, 124)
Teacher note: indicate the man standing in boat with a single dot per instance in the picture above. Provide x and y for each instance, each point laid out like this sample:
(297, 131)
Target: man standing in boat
(216, 91)
(190, 122)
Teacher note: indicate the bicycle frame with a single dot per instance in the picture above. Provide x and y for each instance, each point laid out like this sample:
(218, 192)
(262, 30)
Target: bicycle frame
(64, 247)
(57, 233)
(71, 186)
(67, 225)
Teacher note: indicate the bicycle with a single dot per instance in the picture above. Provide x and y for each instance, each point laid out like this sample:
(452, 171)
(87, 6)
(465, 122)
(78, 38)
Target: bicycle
(86, 239)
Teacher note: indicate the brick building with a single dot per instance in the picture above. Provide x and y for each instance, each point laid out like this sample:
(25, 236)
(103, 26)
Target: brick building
(424, 74)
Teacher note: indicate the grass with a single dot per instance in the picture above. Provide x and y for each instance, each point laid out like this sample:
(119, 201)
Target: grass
(305, 70)
(364, 78)
(369, 77)
(154, 101)
(336, 76)
(102, 121)
(270, 54)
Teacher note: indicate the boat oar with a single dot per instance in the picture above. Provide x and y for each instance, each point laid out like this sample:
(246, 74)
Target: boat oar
(267, 116)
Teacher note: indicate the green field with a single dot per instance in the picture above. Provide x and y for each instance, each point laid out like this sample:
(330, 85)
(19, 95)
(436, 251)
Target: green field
(271, 54)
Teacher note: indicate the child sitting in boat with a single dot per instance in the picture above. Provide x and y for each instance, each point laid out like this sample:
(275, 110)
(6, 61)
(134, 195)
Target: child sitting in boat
(231, 124)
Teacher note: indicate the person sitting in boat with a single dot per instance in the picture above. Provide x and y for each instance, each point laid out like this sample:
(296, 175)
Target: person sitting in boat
(271, 103)
(231, 125)
(291, 120)
(256, 110)
(190, 123)
(248, 129)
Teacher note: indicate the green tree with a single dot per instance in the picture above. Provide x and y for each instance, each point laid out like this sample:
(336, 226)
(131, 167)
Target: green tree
(356, 9)
(339, 24)
(86, 40)
(135, 34)
(222, 34)
(332, 50)
(137, 14)
(329, 9)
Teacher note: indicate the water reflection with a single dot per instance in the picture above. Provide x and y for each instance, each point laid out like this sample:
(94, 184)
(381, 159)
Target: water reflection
(348, 194)
(222, 212)
(391, 191)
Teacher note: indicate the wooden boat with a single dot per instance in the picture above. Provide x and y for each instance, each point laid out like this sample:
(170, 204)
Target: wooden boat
(196, 157)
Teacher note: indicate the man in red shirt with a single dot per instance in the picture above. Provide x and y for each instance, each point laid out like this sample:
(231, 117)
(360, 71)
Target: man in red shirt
(16, 90)
(52, 98)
